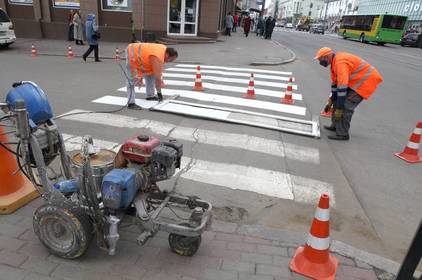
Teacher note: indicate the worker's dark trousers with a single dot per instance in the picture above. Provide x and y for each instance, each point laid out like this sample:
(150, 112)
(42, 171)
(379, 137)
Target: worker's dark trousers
(352, 101)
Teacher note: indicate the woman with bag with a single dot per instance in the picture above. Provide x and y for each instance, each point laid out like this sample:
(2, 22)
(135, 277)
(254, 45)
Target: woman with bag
(92, 36)
(77, 28)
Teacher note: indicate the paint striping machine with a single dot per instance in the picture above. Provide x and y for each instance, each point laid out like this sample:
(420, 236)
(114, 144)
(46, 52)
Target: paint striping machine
(94, 191)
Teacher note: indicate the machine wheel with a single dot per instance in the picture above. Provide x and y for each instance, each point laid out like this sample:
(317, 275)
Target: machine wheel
(380, 43)
(64, 230)
(184, 245)
(362, 38)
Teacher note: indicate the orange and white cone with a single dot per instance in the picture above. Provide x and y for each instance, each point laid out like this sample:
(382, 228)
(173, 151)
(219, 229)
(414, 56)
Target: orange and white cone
(288, 97)
(33, 51)
(117, 55)
(313, 259)
(70, 54)
(250, 94)
(411, 151)
(198, 80)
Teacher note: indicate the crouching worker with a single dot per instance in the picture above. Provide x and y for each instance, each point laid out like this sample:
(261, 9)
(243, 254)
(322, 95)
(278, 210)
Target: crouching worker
(145, 61)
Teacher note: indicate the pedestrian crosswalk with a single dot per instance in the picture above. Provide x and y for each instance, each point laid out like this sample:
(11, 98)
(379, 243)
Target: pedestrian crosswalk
(215, 162)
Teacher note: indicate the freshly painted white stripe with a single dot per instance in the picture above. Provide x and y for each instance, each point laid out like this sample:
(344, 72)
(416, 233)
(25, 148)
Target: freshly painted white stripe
(322, 215)
(73, 142)
(417, 131)
(318, 243)
(273, 93)
(238, 177)
(215, 98)
(204, 136)
(258, 82)
(413, 145)
(255, 70)
(120, 101)
(228, 73)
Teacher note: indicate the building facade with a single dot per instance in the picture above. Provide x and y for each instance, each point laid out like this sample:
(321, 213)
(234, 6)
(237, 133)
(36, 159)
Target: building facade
(120, 20)
(410, 8)
(334, 10)
(292, 10)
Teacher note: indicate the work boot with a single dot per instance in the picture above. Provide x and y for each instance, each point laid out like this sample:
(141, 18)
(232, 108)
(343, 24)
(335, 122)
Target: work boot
(339, 137)
(152, 98)
(330, 128)
(133, 106)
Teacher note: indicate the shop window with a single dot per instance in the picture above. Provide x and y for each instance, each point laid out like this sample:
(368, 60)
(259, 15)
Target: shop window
(116, 5)
(20, 2)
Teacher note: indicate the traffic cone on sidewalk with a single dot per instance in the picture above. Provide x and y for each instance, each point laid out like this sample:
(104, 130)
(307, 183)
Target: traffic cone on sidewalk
(250, 94)
(70, 54)
(117, 55)
(314, 260)
(198, 80)
(33, 51)
(15, 189)
(411, 151)
(288, 97)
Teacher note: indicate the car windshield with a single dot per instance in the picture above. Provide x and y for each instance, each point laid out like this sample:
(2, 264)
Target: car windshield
(3, 17)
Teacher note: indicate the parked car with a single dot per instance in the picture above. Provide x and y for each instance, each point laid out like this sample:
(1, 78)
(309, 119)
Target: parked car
(317, 28)
(279, 24)
(289, 25)
(412, 40)
(7, 34)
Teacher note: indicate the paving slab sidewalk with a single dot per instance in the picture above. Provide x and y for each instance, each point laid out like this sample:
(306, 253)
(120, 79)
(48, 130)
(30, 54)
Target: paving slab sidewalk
(236, 50)
(228, 251)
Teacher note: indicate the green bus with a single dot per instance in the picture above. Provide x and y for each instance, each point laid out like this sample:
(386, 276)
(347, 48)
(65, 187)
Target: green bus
(382, 28)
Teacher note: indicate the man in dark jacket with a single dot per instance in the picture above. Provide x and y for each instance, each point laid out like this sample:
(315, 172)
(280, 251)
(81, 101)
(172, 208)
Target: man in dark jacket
(268, 27)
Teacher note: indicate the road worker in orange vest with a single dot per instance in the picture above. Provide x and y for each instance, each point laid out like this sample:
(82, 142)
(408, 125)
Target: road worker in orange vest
(145, 61)
(352, 80)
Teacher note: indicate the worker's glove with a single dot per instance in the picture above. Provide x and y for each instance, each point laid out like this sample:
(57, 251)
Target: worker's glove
(338, 114)
(327, 108)
(160, 96)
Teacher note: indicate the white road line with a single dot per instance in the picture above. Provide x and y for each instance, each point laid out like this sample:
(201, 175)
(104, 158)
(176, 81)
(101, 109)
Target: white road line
(238, 177)
(258, 91)
(215, 98)
(204, 136)
(258, 82)
(226, 73)
(255, 70)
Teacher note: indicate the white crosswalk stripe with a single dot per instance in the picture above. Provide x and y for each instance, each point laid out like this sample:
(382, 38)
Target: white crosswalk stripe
(255, 70)
(237, 177)
(203, 136)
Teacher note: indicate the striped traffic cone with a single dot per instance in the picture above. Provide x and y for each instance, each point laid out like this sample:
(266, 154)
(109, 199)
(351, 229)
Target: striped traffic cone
(314, 260)
(411, 151)
(250, 94)
(288, 98)
(33, 51)
(70, 54)
(198, 80)
(117, 55)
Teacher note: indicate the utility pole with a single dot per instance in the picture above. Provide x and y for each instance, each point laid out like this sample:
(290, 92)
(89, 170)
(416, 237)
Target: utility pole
(263, 7)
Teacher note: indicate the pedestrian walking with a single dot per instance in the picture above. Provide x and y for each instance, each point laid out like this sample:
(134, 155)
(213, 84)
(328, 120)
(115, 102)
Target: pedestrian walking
(270, 27)
(70, 25)
(260, 26)
(77, 28)
(229, 24)
(146, 61)
(352, 80)
(235, 22)
(92, 36)
(267, 27)
(247, 25)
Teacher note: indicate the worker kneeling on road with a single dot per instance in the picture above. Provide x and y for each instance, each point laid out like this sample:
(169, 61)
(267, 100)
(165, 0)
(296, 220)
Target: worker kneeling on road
(353, 79)
(146, 60)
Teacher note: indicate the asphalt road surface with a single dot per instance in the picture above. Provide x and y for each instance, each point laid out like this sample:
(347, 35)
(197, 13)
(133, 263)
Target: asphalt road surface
(255, 175)
(388, 189)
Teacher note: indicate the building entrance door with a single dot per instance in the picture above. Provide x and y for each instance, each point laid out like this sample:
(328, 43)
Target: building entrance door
(182, 17)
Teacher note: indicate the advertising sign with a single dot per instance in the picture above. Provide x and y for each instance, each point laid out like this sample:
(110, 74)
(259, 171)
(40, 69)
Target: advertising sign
(117, 5)
(23, 2)
(67, 4)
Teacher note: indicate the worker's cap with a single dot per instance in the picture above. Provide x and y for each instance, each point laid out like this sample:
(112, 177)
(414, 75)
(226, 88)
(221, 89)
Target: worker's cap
(323, 52)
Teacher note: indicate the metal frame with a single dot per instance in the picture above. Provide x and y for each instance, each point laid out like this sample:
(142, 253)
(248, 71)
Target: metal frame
(315, 126)
(182, 19)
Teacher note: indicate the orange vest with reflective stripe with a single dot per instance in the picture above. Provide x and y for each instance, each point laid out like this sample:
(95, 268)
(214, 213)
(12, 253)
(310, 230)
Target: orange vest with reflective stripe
(350, 71)
(139, 54)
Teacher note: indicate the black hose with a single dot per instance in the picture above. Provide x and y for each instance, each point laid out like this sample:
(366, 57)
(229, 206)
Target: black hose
(18, 160)
(8, 149)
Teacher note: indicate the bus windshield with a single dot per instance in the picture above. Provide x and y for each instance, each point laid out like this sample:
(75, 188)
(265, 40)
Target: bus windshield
(393, 22)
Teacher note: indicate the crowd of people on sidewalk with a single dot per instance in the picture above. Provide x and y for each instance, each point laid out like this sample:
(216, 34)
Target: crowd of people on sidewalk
(263, 27)
(77, 29)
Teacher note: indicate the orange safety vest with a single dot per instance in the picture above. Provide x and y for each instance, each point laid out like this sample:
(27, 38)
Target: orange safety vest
(350, 71)
(139, 54)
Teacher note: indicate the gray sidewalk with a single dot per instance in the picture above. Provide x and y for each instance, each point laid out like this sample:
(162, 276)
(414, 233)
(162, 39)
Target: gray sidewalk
(229, 251)
(234, 51)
